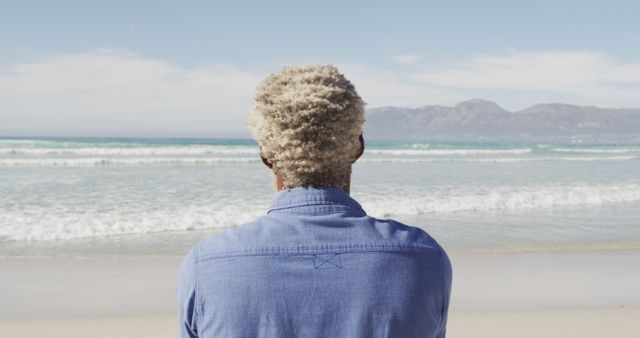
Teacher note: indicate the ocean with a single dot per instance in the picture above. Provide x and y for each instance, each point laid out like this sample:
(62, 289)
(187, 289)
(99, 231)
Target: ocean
(113, 196)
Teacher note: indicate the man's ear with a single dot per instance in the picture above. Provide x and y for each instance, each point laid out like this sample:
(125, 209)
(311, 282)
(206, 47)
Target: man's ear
(265, 161)
(361, 139)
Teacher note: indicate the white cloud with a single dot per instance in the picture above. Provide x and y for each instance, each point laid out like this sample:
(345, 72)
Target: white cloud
(407, 59)
(582, 77)
(118, 90)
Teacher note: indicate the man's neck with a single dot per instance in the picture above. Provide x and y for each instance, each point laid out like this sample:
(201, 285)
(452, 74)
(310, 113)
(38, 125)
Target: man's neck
(279, 184)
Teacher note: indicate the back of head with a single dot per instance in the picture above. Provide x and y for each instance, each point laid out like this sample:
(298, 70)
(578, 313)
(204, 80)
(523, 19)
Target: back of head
(308, 120)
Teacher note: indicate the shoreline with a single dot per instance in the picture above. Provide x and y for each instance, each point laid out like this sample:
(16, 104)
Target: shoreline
(177, 243)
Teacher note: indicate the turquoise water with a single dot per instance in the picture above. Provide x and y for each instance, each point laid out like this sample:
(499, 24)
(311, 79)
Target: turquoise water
(159, 195)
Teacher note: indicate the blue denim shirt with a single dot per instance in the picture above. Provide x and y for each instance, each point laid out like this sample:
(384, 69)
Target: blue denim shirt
(315, 266)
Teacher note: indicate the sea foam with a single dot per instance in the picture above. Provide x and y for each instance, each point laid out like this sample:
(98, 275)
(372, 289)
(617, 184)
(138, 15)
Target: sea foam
(68, 222)
(496, 198)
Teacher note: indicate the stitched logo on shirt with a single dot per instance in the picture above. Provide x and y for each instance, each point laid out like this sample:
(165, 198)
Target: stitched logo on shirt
(327, 261)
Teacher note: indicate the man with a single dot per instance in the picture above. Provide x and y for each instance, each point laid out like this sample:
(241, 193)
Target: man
(316, 265)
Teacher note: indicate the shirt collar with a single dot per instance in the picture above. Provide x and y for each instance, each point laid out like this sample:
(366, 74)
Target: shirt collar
(314, 200)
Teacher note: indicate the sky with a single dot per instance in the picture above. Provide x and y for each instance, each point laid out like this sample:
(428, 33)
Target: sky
(190, 68)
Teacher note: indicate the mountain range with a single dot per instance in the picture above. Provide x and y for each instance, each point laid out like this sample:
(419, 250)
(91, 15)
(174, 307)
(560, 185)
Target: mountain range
(481, 120)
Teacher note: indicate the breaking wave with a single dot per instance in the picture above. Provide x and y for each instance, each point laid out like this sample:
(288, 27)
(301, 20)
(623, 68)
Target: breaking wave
(67, 222)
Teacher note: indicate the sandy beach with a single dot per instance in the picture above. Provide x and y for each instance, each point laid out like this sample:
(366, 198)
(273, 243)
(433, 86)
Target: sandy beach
(563, 294)
(584, 323)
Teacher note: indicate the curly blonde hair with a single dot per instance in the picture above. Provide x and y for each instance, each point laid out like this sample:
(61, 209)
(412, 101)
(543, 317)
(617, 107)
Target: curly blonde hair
(308, 120)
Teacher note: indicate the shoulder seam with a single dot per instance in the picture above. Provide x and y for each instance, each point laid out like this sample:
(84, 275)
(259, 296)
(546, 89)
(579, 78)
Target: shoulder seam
(445, 290)
(195, 284)
(350, 248)
(444, 282)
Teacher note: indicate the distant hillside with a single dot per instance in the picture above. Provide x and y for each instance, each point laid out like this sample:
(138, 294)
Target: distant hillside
(481, 120)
